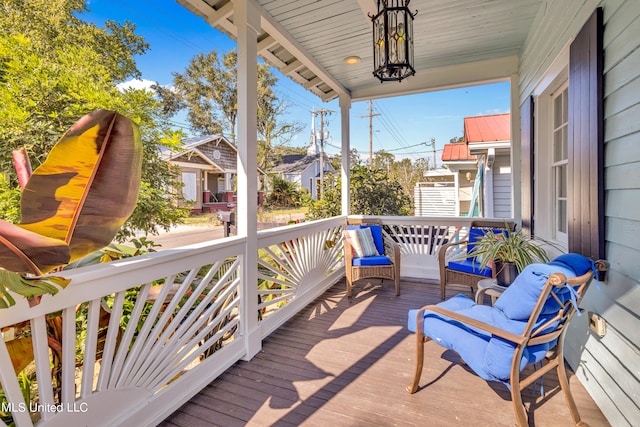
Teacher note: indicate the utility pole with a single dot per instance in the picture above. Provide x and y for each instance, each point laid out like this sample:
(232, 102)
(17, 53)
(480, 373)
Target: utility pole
(371, 116)
(321, 136)
(433, 146)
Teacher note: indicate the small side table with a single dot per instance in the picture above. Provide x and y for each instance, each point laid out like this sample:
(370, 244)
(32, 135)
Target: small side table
(489, 287)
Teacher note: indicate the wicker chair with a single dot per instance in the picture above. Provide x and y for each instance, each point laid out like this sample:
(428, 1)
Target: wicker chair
(466, 278)
(354, 272)
(526, 327)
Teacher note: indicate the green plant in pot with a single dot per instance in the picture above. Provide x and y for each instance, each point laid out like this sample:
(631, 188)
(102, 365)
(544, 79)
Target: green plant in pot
(509, 251)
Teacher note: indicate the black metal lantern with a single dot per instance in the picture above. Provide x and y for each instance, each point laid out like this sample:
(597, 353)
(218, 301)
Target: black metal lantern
(393, 40)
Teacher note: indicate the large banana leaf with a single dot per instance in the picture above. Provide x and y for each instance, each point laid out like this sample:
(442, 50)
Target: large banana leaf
(88, 186)
(24, 251)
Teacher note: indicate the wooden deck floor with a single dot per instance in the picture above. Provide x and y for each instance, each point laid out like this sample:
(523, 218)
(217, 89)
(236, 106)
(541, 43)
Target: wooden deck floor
(347, 363)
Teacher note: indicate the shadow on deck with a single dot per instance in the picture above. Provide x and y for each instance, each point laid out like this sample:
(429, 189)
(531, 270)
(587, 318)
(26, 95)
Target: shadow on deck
(347, 363)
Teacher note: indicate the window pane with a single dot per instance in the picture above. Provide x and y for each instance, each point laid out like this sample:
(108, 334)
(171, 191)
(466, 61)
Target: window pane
(557, 145)
(565, 139)
(565, 106)
(562, 216)
(562, 181)
(557, 112)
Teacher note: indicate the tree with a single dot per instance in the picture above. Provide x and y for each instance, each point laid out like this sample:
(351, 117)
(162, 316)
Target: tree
(273, 133)
(54, 69)
(373, 192)
(408, 173)
(286, 194)
(383, 160)
(208, 90)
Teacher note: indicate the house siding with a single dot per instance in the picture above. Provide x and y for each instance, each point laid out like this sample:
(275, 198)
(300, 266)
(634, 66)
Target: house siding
(607, 366)
(502, 187)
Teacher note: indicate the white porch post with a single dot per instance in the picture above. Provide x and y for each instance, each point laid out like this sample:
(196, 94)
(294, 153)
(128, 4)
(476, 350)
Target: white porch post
(247, 20)
(488, 183)
(345, 106)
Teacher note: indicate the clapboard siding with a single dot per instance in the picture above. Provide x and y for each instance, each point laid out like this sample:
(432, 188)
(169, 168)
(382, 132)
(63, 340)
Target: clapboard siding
(556, 24)
(502, 188)
(608, 366)
(622, 150)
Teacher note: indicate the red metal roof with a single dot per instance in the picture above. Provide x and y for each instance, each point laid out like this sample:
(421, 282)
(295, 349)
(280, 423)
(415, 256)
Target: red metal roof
(456, 152)
(496, 127)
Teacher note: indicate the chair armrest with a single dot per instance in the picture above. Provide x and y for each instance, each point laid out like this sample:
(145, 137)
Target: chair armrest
(348, 252)
(392, 250)
(509, 336)
(442, 253)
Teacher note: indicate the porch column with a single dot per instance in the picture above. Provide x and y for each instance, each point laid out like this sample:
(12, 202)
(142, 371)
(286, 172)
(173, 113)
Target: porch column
(488, 184)
(247, 20)
(516, 158)
(345, 106)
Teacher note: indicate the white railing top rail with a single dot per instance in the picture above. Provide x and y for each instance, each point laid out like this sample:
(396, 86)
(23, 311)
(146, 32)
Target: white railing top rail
(461, 221)
(293, 231)
(89, 283)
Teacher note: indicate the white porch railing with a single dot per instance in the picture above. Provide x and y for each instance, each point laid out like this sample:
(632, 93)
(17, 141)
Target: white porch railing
(130, 341)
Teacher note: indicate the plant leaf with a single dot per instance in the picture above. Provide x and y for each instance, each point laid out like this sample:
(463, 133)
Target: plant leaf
(88, 186)
(21, 353)
(27, 252)
(27, 287)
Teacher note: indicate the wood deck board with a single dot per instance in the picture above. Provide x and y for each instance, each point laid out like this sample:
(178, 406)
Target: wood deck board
(344, 362)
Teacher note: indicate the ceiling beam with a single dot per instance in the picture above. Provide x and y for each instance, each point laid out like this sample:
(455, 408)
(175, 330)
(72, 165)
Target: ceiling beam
(215, 16)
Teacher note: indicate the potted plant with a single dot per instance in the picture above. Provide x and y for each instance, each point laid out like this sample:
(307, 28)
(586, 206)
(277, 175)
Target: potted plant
(509, 252)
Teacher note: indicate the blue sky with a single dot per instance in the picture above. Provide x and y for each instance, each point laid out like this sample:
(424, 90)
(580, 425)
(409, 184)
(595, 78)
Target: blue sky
(175, 35)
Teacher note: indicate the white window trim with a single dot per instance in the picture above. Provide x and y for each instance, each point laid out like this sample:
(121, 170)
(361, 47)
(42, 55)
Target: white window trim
(555, 78)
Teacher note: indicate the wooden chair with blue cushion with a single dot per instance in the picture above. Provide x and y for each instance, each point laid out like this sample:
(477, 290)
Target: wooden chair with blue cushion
(368, 253)
(527, 326)
(466, 271)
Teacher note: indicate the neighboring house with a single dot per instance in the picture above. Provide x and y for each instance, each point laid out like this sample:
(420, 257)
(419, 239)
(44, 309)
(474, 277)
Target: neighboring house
(489, 139)
(477, 178)
(208, 166)
(304, 170)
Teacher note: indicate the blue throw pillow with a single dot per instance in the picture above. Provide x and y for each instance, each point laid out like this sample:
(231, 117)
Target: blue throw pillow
(579, 264)
(376, 232)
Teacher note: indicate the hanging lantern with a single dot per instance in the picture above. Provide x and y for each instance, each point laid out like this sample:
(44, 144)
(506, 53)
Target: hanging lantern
(393, 40)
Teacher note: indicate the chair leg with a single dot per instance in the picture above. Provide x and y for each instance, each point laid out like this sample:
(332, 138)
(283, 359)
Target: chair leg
(564, 383)
(349, 286)
(397, 283)
(419, 363)
(518, 405)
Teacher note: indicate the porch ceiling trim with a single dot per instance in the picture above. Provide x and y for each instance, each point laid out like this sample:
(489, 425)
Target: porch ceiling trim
(449, 77)
(482, 147)
(275, 37)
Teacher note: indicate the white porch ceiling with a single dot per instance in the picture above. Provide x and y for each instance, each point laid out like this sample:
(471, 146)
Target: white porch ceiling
(457, 42)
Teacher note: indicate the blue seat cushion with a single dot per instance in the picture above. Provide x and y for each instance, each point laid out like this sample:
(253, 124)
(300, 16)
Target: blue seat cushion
(469, 265)
(376, 232)
(371, 261)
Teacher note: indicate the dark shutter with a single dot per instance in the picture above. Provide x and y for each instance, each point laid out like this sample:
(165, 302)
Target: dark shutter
(586, 141)
(526, 152)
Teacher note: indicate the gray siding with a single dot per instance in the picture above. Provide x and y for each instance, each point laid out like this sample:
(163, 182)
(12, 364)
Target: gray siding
(502, 187)
(609, 367)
